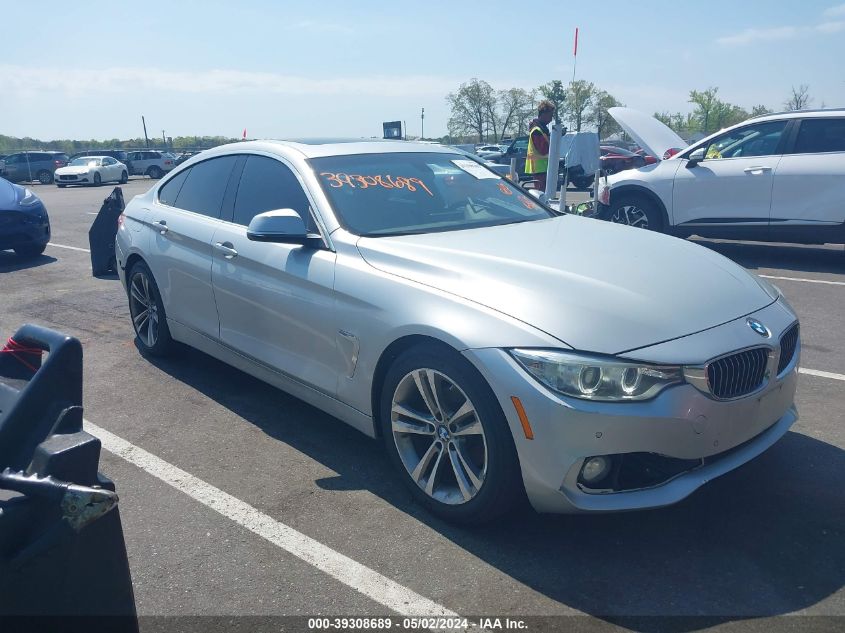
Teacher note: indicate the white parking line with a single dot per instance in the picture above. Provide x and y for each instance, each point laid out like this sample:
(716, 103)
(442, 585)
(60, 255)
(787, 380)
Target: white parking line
(372, 584)
(73, 248)
(809, 281)
(821, 374)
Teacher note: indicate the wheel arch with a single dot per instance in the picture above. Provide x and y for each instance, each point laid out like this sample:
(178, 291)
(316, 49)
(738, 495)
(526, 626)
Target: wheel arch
(644, 192)
(388, 356)
(133, 259)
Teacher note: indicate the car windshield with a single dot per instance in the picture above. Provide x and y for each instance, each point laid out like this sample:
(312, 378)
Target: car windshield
(407, 193)
(83, 161)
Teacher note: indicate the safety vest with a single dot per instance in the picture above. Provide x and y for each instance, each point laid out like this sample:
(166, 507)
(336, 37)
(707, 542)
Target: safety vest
(535, 162)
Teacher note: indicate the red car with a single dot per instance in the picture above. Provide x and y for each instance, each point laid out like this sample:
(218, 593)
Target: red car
(614, 159)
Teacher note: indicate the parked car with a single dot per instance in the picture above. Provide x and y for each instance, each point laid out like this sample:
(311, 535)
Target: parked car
(612, 159)
(33, 166)
(518, 149)
(92, 170)
(24, 223)
(119, 155)
(150, 163)
(778, 177)
(493, 344)
(181, 158)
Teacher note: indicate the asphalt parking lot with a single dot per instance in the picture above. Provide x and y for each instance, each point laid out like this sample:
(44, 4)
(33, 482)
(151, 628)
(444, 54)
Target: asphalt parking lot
(766, 540)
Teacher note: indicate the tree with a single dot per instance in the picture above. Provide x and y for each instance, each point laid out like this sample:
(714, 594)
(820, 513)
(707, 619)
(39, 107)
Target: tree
(556, 93)
(598, 116)
(760, 110)
(706, 105)
(579, 97)
(727, 114)
(516, 106)
(471, 108)
(800, 98)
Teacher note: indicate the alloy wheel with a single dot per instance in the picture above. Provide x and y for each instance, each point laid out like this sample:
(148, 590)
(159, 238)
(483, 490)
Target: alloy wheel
(439, 436)
(630, 214)
(143, 309)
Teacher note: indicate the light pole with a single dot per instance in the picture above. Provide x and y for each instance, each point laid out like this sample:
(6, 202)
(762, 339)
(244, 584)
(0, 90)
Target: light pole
(422, 124)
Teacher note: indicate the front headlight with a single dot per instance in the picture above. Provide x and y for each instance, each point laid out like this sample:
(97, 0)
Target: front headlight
(596, 378)
(28, 199)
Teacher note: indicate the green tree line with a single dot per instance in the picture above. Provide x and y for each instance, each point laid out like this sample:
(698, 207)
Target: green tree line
(10, 144)
(481, 114)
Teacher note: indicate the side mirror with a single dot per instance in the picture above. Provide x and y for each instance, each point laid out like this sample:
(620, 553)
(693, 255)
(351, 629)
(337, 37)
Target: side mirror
(696, 157)
(283, 226)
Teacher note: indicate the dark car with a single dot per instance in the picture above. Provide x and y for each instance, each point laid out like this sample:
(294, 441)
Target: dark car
(33, 166)
(518, 149)
(119, 155)
(24, 223)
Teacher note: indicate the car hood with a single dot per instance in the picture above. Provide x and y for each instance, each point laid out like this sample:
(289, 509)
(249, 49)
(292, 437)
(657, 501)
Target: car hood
(9, 195)
(73, 171)
(652, 135)
(594, 285)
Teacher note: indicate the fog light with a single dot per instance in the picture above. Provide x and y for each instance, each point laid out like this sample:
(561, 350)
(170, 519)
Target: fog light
(595, 469)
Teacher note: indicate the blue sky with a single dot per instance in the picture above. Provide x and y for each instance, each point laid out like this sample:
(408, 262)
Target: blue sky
(296, 69)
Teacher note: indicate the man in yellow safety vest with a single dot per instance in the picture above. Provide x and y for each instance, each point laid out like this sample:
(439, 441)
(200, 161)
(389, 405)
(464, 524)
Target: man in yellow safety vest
(537, 159)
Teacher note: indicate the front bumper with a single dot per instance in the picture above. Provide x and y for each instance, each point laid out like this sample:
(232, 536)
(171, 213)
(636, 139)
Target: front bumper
(681, 423)
(23, 228)
(74, 179)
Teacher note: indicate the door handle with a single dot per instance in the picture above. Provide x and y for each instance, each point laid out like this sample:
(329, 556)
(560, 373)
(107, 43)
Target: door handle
(227, 248)
(752, 170)
(161, 225)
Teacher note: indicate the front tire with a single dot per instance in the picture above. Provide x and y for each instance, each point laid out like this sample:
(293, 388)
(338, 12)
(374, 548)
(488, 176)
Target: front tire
(147, 312)
(124, 178)
(447, 436)
(30, 250)
(637, 211)
(98, 180)
(583, 183)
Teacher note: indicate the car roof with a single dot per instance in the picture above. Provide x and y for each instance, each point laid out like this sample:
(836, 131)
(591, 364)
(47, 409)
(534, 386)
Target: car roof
(800, 114)
(317, 148)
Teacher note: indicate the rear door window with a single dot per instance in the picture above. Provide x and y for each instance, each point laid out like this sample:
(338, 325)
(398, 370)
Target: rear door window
(819, 136)
(267, 185)
(203, 189)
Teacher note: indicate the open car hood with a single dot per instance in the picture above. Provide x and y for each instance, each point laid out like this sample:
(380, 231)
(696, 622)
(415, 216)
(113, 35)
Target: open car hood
(652, 135)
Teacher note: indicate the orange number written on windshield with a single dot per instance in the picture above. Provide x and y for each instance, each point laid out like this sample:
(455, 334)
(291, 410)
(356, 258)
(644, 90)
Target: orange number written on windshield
(356, 181)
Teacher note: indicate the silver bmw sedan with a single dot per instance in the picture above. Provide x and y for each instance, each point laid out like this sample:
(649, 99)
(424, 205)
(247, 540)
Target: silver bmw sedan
(497, 347)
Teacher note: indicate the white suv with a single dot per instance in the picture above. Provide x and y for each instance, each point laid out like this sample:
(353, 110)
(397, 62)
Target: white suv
(778, 177)
(150, 163)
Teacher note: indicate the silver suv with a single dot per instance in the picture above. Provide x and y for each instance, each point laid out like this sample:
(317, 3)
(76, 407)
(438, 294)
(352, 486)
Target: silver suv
(150, 163)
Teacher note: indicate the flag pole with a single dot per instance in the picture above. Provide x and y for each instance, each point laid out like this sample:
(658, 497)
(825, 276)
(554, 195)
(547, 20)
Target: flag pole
(575, 55)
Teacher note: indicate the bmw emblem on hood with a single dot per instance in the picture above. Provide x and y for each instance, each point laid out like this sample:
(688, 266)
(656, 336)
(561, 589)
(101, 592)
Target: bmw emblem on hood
(758, 327)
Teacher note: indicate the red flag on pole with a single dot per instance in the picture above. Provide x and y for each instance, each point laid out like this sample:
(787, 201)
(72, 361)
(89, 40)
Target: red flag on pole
(244, 134)
(575, 53)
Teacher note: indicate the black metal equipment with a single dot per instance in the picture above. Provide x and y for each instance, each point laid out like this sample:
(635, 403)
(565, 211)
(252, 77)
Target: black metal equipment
(63, 562)
(102, 233)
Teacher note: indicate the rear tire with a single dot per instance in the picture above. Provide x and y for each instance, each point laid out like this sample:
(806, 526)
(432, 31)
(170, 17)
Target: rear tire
(637, 211)
(45, 177)
(60, 186)
(451, 445)
(146, 310)
(155, 172)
